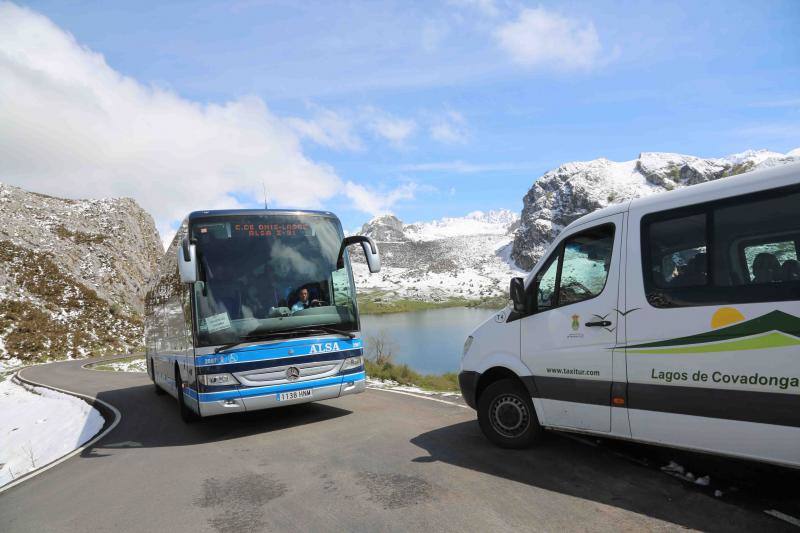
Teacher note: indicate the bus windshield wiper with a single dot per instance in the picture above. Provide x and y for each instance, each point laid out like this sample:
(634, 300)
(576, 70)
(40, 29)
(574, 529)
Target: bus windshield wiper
(250, 338)
(326, 329)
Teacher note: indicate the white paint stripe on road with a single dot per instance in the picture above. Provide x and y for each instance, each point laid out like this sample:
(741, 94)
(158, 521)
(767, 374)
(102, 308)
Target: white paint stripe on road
(783, 516)
(73, 453)
(418, 396)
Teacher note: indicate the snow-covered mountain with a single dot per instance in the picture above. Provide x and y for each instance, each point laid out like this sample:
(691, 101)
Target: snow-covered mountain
(73, 274)
(575, 189)
(460, 257)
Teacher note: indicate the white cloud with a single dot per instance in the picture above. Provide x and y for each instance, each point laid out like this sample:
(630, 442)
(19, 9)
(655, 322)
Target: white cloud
(376, 202)
(394, 129)
(450, 128)
(72, 126)
(539, 37)
(328, 128)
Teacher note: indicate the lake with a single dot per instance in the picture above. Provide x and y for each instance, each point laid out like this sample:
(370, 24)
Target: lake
(429, 341)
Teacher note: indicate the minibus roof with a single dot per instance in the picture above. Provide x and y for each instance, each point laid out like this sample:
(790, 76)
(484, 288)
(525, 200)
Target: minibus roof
(748, 182)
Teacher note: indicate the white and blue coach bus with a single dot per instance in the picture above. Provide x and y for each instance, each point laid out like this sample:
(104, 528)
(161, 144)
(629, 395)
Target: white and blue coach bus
(256, 309)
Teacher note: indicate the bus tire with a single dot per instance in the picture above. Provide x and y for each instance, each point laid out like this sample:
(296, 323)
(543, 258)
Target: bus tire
(187, 415)
(506, 415)
(158, 390)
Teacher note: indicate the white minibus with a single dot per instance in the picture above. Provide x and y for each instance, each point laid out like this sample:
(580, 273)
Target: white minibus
(672, 319)
(254, 309)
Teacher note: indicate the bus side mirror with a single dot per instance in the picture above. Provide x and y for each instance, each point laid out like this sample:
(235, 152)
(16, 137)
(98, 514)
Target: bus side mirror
(518, 297)
(187, 261)
(370, 251)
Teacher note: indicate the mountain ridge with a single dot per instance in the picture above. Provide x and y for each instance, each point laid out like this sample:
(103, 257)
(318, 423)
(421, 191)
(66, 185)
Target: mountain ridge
(574, 189)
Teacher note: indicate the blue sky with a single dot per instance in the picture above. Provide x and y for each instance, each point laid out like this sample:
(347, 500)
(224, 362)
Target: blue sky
(435, 109)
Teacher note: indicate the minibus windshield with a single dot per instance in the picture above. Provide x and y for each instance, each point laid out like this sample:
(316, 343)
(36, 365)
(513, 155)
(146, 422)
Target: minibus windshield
(264, 274)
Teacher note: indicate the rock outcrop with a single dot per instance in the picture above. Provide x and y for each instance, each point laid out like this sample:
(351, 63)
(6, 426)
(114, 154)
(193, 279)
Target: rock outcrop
(73, 274)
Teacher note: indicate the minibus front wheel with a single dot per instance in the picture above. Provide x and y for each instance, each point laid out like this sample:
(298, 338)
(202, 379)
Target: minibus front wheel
(506, 415)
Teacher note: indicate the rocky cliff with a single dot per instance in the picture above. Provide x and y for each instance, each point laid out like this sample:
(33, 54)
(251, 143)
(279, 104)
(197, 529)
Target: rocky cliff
(73, 274)
(575, 189)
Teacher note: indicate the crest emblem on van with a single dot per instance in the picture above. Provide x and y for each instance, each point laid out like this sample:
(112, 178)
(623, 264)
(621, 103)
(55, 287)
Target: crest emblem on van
(576, 324)
(292, 373)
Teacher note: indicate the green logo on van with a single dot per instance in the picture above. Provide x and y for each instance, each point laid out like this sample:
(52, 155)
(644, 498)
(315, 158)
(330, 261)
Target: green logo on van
(776, 329)
(576, 324)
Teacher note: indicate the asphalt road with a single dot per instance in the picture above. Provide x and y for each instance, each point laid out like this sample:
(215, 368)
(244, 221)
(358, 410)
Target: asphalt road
(377, 461)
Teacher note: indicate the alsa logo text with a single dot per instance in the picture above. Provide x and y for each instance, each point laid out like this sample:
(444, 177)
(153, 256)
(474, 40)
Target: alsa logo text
(325, 347)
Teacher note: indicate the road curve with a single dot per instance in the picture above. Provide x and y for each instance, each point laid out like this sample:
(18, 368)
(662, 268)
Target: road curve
(371, 462)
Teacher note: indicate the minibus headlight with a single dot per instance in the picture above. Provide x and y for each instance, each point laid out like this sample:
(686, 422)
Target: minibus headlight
(467, 345)
(352, 362)
(217, 380)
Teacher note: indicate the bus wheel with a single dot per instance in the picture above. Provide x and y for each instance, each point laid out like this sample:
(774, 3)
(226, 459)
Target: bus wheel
(158, 390)
(187, 415)
(506, 415)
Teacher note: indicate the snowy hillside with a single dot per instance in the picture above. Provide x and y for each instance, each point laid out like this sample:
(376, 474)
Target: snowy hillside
(463, 257)
(575, 189)
(73, 274)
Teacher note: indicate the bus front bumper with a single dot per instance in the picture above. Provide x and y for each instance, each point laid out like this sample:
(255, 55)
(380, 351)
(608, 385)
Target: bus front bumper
(253, 400)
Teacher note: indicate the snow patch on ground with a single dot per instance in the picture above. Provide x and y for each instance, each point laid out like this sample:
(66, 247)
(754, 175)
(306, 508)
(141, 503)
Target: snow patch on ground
(38, 425)
(135, 365)
(475, 223)
(393, 385)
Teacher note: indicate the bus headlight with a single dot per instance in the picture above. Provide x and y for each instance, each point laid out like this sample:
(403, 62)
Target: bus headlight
(467, 345)
(217, 380)
(352, 362)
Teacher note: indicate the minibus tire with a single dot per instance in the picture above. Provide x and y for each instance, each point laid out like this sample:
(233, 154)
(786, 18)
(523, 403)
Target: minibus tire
(150, 370)
(187, 415)
(506, 415)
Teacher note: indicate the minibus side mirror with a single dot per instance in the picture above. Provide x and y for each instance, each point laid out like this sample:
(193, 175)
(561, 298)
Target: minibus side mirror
(370, 252)
(187, 261)
(518, 297)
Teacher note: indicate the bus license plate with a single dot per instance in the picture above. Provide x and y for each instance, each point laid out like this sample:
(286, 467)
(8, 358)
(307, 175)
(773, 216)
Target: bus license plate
(294, 395)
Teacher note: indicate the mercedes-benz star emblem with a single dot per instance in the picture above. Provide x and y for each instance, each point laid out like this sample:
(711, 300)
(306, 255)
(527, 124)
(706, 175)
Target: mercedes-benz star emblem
(292, 373)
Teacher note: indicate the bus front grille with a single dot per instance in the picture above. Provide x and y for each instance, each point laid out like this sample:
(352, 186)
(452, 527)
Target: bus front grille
(277, 375)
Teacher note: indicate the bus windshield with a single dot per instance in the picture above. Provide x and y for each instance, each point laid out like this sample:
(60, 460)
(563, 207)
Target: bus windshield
(265, 274)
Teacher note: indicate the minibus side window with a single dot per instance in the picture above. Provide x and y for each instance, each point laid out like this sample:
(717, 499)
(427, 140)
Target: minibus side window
(577, 270)
(546, 283)
(741, 249)
(678, 251)
(587, 259)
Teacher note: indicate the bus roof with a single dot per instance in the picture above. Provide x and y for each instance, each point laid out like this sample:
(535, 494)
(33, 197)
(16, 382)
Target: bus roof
(239, 212)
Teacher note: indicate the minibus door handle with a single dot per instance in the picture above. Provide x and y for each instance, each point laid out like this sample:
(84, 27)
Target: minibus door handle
(601, 323)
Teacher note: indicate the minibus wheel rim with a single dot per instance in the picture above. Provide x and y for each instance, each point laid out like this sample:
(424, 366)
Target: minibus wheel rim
(509, 416)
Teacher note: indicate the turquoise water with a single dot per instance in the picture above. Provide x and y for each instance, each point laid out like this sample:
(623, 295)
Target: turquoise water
(431, 341)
